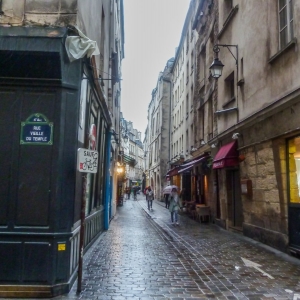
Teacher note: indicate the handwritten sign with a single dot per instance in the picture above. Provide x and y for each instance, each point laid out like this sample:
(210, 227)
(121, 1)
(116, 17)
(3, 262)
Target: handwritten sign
(36, 130)
(87, 161)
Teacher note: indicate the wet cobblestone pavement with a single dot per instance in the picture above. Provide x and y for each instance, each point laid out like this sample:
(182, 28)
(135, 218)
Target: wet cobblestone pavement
(143, 256)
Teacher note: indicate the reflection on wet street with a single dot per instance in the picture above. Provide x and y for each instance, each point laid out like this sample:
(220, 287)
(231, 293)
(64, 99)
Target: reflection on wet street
(144, 256)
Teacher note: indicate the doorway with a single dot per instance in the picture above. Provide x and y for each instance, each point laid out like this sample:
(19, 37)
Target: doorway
(234, 200)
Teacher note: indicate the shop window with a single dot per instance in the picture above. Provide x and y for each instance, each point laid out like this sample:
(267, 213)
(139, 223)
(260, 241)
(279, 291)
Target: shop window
(294, 169)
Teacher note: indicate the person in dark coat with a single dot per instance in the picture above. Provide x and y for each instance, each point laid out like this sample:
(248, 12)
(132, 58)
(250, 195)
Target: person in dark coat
(167, 201)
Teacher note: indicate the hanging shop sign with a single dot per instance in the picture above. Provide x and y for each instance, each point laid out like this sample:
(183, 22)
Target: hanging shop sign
(87, 161)
(36, 130)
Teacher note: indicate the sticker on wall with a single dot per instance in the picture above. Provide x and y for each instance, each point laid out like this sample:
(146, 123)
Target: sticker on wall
(36, 130)
(61, 247)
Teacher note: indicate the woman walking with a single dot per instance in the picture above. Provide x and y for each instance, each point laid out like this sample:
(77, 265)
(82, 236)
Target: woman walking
(174, 206)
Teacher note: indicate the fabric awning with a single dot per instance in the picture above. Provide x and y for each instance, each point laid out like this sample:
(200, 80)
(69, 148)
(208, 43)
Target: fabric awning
(173, 171)
(192, 163)
(227, 156)
(129, 160)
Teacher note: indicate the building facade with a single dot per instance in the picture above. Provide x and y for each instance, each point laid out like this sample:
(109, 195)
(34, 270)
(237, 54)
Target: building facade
(157, 139)
(60, 91)
(182, 105)
(248, 116)
(133, 154)
(234, 140)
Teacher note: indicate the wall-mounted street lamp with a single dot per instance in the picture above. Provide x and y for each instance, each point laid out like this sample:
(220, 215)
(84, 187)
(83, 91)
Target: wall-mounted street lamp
(217, 66)
(216, 69)
(125, 138)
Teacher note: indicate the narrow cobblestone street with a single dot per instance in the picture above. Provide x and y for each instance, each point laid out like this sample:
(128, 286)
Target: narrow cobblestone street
(144, 256)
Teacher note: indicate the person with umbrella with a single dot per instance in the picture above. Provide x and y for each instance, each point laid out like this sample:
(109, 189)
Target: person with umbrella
(175, 205)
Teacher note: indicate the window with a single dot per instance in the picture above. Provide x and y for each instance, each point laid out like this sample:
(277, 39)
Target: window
(187, 105)
(227, 7)
(187, 72)
(210, 117)
(201, 123)
(229, 87)
(286, 33)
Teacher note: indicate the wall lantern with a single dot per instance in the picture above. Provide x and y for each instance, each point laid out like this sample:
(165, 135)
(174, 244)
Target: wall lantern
(216, 67)
(125, 138)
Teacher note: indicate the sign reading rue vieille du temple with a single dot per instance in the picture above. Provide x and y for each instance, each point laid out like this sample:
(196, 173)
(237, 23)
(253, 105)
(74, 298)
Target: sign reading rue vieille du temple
(36, 130)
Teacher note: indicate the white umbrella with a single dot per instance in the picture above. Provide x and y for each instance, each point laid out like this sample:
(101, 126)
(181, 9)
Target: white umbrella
(168, 189)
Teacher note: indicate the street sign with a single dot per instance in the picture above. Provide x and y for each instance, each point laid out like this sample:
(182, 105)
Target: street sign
(87, 161)
(36, 130)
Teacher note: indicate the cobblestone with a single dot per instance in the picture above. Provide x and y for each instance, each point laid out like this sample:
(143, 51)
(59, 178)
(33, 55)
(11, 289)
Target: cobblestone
(142, 256)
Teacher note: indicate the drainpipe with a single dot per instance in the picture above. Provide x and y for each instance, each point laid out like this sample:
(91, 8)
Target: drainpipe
(170, 112)
(107, 181)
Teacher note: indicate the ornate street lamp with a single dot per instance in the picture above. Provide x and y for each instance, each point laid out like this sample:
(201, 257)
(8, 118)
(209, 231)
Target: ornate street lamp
(216, 68)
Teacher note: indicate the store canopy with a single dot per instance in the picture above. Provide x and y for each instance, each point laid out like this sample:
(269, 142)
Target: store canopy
(129, 160)
(173, 171)
(227, 156)
(191, 164)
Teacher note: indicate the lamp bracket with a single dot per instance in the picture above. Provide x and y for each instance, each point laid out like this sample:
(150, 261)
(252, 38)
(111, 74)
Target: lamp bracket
(216, 49)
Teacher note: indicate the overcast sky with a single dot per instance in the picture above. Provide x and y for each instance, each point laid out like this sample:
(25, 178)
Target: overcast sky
(152, 32)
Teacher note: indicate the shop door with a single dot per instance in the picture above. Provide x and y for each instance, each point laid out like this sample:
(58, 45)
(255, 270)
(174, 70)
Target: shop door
(186, 183)
(235, 210)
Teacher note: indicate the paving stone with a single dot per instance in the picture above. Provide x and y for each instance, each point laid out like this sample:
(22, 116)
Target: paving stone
(142, 256)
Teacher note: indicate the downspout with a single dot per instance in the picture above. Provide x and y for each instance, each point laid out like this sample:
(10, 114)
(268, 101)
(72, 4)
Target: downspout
(170, 87)
(107, 203)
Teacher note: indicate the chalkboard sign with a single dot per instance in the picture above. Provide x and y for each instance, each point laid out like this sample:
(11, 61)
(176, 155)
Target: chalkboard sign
(36, 130)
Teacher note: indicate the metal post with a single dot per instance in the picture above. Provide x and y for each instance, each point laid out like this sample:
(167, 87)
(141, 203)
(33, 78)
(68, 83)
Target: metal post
(107, 182)
(81, 237)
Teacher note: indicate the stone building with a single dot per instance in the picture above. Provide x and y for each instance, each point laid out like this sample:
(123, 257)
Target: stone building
(251, 125)
(60, 91)
(182, 109)
(133, 154)
(157, 139)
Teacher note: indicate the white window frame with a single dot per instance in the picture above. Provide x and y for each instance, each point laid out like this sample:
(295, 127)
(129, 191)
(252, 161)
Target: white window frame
(287, 11)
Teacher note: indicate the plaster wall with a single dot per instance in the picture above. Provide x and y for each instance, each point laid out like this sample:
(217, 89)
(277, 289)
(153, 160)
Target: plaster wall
(267, 80)
(183, 77)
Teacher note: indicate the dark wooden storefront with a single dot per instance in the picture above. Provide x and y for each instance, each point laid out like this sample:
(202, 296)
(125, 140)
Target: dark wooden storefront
(40, 191)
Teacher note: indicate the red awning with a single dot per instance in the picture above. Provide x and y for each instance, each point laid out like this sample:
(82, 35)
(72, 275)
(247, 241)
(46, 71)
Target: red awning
(227, 156)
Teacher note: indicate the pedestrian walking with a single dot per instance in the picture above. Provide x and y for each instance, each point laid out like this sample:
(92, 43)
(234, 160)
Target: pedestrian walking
(128, 192)
(134, 194)
(149, 197)
(175, 205)
(167, 201)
